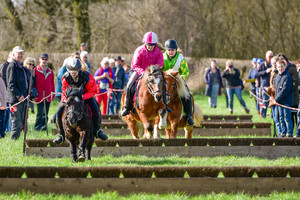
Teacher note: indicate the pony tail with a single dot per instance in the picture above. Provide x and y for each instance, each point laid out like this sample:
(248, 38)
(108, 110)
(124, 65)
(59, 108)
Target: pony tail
(84, 66)
(179, 50)
(160, 46)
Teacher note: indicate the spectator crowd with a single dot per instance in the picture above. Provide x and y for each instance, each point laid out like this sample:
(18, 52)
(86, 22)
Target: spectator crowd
(274, 84)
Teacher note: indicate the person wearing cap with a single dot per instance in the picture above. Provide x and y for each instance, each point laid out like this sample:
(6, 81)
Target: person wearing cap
(264, 71)
(83, 47)
(175, 61)
(75, 77)
(104, 77)
(144, 56)
(118, 85)
(44, 85)
(252, 77)
(17, 80)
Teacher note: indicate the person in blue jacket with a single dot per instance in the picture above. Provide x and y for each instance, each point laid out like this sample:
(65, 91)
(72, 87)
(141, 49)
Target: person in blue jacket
(283, 84)
(252, 76)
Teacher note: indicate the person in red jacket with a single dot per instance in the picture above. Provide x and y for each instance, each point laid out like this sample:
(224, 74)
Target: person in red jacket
(75, 77)
(44, 84)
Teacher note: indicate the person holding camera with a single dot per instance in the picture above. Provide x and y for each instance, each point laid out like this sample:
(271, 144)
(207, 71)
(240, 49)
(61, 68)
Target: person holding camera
(233, 85)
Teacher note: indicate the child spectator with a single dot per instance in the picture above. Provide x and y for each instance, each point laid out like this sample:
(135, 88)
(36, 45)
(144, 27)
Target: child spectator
(105, 77)
(283, 84)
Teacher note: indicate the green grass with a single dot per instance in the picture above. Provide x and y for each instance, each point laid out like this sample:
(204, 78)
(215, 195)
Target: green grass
(11, 155)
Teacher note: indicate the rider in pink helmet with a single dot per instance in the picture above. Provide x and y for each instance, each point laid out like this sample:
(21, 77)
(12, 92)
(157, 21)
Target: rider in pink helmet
(144, 56)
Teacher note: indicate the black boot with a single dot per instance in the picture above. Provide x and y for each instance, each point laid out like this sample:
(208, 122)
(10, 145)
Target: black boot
(60, 137)
(98, 133)
(128, 103)
(188, 109)
(165, 97)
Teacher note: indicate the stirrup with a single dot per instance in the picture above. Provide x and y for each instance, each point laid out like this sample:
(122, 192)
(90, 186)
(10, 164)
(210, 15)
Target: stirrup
(58, 139)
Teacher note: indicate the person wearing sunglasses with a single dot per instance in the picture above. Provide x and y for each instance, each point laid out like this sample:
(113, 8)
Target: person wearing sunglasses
(44, 84)
(30, 63)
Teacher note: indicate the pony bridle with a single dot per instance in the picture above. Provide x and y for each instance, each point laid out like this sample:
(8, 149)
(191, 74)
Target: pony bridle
(174, 87)
(151, 90)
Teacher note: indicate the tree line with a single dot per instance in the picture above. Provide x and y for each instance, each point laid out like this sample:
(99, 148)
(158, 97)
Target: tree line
(238, 29)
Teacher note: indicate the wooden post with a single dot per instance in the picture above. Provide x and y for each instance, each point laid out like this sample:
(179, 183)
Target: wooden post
(26, 113)
(45, 112)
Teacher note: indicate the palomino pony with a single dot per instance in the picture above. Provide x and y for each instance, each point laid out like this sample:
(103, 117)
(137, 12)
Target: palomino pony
(150, 103)
(176, 88)
(77, 124)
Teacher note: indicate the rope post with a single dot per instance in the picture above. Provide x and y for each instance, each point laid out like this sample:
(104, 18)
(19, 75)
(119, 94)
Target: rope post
(45, 112)
(25, 125)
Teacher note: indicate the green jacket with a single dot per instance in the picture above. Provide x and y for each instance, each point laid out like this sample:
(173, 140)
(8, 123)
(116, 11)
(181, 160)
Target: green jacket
(180, 66)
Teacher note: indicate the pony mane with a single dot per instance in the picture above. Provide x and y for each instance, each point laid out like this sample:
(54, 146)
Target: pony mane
(181, 89)
(154, 69)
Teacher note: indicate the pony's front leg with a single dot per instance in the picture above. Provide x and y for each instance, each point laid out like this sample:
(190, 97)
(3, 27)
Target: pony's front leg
(162, 119)
(73, 151)
(81, 146)
(156, 131)
(147, 125)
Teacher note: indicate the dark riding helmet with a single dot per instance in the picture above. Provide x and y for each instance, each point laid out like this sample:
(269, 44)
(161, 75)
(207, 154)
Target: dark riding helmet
(73, 64)
(171, 44)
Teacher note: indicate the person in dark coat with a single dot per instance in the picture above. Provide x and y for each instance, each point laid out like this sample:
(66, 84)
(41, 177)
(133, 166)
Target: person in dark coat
(294, 74)
(233, 85)
(298, 113)
(283, 84)
(264, 71)
(18, 80)
(213, 83)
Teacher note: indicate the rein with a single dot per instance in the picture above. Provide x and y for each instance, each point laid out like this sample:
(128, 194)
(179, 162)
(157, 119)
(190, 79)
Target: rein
(150, 88)
(174, 87)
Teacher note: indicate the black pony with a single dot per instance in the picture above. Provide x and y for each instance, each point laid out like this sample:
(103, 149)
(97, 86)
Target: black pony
(77, 123)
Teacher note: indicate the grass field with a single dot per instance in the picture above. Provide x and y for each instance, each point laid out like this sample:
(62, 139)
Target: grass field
(11, 155)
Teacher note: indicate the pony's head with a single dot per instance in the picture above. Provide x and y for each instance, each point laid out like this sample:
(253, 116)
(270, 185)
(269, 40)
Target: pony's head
(74, 105)
(175, 84)
(154, 82)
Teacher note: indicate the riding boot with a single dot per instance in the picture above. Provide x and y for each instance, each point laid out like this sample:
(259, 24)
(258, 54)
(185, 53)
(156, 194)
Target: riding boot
(98, 133)
(128, 102)
(165, 97)
(60, 137)
(188, 109)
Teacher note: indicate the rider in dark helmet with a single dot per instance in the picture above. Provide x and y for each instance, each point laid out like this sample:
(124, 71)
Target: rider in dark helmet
(75, 77)
(175, 60)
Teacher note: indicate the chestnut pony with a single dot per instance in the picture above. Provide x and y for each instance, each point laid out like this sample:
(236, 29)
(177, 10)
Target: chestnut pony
(176, 88)
(150, 103)
(77, 124)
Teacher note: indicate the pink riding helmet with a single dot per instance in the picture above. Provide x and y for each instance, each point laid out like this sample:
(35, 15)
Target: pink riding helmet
(150, 38)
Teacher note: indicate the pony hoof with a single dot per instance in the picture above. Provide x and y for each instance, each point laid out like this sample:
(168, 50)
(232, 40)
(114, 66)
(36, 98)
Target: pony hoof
(81, 159)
